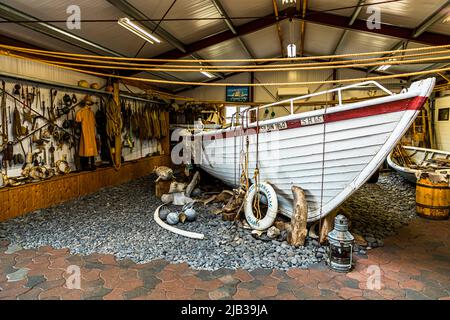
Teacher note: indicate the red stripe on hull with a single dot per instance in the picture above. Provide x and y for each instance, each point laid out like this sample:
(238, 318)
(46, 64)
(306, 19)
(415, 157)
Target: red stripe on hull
(395, 106)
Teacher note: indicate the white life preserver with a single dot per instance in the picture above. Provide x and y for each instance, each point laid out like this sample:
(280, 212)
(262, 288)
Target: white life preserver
(272, 204)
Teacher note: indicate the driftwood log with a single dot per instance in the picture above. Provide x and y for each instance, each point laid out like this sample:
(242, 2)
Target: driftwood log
(297, 233)
(327, 226)
(192, 184)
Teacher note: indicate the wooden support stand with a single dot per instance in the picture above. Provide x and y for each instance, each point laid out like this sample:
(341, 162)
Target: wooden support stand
(298, 231)
(162, 187)
(327, 226)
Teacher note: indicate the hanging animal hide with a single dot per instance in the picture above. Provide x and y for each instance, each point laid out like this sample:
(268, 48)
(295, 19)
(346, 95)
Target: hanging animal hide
(156, 126)
(17, 124)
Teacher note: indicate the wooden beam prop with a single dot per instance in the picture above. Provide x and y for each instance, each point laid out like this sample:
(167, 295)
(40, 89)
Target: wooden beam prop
(297, 233)
(327, 226)
(192, 184)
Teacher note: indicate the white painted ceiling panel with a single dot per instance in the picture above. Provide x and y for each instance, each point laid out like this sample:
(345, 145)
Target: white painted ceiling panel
(193, 30)
(230, 49)
(38, 39)
(441, 27)
(405, 13)
(320, 40)
(356, 42)
(263, 43)
(247, 8)
(341, 7)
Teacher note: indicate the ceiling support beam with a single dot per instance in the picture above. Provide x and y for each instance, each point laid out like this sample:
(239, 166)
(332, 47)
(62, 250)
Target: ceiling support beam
(437, 15)
(341, 22)
(322, 18)
(231, 26)
(303, 27)
(277, 17)
(352, 20)
(242, 30)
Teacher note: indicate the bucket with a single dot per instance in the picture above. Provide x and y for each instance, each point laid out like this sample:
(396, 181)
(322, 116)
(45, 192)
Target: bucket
(433, 196)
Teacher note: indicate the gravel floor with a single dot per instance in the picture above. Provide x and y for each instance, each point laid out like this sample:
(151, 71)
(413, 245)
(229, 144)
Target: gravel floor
(119, 220)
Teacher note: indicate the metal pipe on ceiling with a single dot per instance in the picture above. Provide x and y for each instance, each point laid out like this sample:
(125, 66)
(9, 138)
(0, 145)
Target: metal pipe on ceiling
(230, 25)
(353, 17)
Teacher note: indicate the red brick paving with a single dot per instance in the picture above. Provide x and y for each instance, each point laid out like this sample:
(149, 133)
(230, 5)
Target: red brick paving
(415, 264)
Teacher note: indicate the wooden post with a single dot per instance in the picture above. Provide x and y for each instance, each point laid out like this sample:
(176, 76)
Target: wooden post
(327, 226)
(297, 233)
(192, 184)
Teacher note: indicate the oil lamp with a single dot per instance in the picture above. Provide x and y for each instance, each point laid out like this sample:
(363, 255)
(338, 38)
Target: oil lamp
(340, 245)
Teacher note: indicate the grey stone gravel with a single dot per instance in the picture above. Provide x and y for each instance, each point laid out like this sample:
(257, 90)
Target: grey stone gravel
(119, 220)
(380, 210)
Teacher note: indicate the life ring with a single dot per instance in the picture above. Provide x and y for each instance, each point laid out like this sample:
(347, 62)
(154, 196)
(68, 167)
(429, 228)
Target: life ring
(272, 206)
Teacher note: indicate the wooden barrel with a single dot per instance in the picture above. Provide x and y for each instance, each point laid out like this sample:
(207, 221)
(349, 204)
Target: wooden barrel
(432, 199)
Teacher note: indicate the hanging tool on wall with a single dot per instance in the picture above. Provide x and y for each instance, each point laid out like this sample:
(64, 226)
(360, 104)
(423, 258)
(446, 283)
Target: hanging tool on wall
(27, 113)
(17, 124)
(16, 90)
(51, 150)
(4, 116)
(51, 108)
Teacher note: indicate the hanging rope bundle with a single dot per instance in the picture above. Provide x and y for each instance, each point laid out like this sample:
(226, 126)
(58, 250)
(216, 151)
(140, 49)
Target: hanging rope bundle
(386, 60)
(65, 55)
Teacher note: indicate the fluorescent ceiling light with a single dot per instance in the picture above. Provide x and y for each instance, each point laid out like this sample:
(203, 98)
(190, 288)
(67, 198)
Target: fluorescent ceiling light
(291, 50)
(383, 67)
(207, 74)
(138, 30)
(283, 2)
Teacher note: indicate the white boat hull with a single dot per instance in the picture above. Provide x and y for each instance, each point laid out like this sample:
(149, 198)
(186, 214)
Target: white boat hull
(328, 153)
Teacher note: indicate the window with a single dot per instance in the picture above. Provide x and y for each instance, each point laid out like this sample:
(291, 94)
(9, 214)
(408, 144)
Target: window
(230, 110)
(443, 114)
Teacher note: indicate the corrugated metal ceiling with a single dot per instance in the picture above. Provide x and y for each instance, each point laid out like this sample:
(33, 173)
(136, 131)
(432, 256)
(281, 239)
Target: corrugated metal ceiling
(405, 13)
(264, 43)
(230, 49)
(319, 39)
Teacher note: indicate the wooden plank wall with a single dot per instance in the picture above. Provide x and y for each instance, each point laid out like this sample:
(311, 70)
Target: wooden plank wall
(19, 200)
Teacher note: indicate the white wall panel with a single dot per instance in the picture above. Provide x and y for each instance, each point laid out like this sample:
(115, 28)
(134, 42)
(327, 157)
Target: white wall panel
(37, 70)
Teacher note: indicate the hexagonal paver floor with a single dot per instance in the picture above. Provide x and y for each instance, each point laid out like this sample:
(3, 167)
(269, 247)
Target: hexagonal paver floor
(415, 264)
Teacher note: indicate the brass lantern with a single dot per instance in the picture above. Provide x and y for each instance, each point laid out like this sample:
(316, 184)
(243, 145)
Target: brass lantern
(340, 245)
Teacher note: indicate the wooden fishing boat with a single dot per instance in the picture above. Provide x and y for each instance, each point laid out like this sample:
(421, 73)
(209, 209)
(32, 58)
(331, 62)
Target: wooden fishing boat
(408, 161)
(329, 153)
